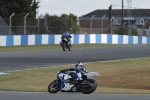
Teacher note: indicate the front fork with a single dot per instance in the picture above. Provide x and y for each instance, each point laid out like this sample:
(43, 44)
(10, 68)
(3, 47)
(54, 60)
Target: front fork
(68, 44)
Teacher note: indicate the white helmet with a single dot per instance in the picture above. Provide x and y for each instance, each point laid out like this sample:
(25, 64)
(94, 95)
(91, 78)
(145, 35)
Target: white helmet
(78, 63)
(80, 66)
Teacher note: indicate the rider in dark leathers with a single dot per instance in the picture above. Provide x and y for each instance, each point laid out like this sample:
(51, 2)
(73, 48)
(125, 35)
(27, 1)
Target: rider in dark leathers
(67, 36)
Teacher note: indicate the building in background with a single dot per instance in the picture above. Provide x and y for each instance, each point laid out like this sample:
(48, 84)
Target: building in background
(98, 21)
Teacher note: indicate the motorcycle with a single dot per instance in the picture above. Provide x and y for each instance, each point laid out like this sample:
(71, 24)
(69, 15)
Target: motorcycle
(65, 45)
(87, 86)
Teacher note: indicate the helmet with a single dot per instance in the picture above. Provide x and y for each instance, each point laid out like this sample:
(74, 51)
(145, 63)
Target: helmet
(78, 63)
(79, 66)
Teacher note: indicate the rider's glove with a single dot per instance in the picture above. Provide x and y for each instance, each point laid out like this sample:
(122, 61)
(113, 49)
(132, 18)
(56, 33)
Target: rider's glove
(66, 69)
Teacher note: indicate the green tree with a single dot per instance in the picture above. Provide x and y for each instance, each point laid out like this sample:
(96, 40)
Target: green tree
(19, 7)
(125, 31)
(57, 24)
(71, 22)
(35, 6)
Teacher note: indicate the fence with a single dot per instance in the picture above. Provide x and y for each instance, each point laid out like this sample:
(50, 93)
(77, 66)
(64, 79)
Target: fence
(17, 40)
(20, 26)
(28, 26)
(103, 25)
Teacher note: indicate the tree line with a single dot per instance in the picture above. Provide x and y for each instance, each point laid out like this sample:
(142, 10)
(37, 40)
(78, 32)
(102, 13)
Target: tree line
(19, 7)
(52, 23)
(57, 24)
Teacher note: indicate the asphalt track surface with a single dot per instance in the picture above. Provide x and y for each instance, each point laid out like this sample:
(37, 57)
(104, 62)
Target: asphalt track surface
(13, 95)
(12, 61)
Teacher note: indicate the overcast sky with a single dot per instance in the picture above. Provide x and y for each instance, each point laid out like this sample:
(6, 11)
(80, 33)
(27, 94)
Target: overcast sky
(82, 7)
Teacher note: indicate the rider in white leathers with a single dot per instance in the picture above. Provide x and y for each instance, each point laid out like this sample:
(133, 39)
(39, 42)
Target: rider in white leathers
(75, 73)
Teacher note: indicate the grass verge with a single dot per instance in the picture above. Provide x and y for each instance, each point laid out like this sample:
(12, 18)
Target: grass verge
(129, 76)
(51, 46)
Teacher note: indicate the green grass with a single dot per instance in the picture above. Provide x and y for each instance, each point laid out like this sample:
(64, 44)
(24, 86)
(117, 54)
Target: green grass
(129, 76)
(52, 46)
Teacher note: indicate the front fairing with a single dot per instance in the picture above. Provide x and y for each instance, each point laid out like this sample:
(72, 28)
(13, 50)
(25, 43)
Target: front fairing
(92, 75)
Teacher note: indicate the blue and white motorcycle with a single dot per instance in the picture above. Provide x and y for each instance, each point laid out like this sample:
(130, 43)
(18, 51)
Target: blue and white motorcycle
(65, 84)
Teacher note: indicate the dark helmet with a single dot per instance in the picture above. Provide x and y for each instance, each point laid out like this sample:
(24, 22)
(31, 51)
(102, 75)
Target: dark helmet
(78, 63)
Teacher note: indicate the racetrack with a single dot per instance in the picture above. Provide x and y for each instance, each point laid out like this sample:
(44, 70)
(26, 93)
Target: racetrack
(11, 61)
(13, 95)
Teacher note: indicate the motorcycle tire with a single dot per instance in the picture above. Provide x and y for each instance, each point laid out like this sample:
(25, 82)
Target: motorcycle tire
(54, 85)
(88, 90)
(69, 48)
(64, 46)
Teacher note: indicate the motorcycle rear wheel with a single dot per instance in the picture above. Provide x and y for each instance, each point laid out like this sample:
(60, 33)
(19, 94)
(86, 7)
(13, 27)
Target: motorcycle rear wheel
(54, 87)
(69, 47)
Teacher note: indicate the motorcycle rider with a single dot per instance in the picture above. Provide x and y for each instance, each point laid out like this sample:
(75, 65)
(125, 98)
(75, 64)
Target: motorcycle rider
(75, 72)
(67, 36)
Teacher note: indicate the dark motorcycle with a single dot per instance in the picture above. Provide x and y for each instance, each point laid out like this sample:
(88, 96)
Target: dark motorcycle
(65, 45)
(86, 86)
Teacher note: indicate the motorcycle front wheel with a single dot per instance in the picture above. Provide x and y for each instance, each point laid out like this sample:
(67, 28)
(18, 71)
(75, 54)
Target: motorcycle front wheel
(54, 87)
(64, 46)
(89, 87)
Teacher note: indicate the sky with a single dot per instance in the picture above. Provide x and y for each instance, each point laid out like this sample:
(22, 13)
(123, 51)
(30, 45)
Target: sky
(82, 7)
